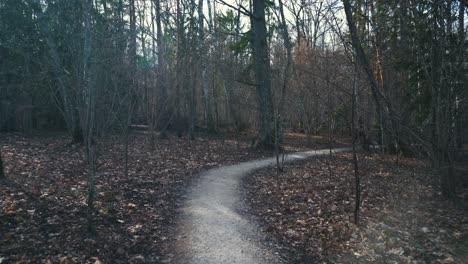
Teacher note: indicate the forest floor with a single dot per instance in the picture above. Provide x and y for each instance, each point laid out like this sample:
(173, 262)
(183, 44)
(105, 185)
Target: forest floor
(308, 212)
(212, 229)
(43, 202)
(305, 212)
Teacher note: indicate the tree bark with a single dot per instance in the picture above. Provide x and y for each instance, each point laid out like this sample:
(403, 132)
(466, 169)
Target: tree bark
(443, 99)
(204, 81)
(2, 172)
(191, 88)
(179, 57)
(357, 178)
(133, 34)
(133, 71)
(89, 100)
(462, 55)
(278, 120)
(262, 74)
(162, 73)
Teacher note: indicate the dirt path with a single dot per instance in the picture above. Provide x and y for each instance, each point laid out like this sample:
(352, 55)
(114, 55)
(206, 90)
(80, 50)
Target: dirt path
(212, 230)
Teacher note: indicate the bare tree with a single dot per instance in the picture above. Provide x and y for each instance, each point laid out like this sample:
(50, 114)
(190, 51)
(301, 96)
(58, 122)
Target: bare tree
(364, 61)
(69, 104)
(434, 62)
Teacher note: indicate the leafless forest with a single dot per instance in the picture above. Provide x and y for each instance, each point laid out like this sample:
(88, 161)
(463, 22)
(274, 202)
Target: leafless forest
(112, 110)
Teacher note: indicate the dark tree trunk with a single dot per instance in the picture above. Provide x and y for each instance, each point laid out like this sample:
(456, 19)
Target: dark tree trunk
(162, 73)
(357, 178)
(279, 110)
(133, 38)
(179, 121)
(77, 133)
(462, 56)
(191, 89)
(442, 101)
(2, 173)
(262, 74)
(89, 105)
(204, 80)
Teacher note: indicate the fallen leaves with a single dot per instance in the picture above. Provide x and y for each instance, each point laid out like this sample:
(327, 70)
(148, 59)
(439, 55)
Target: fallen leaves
(309, 211)
(43, 206)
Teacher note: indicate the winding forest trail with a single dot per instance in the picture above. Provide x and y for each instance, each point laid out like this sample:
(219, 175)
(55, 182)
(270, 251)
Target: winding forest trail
(212, 230)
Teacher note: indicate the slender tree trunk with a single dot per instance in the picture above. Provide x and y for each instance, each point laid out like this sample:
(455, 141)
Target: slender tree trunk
(357, 178)
(91, 185)
(178, 101)
(154, 58)
(278, 119)
(379, 72)
(210, 16)
(204, 80)
(330, 115)
(89, 90)
(2, 173)
(104, 7)
(192, 106)
(213, 65)
(202, 54)
(127, 124)
(262, 74)
(288, 46)
(444, 98)
(462, 56)
(162, 74)
(191, 88)
(133, 34)
(133, 71)
(153, 8)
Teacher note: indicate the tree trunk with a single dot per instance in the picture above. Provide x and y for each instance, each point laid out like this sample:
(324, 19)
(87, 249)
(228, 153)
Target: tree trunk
(278, 119)
(2, 173)
(204, 81)
(127, 124)
(89, 100)
(357, 178)
(77, 132)
(162, 74)
(459, 89)
(379, 71)
(262, 74)
(443, 100)
(133, 71)
(133, 34)
(91, 186)
(191, 88)
(178, 104)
